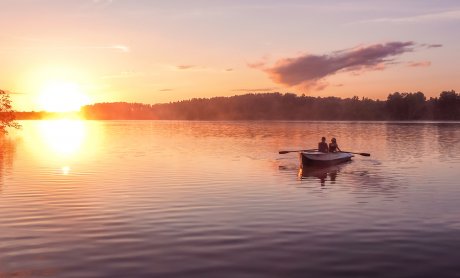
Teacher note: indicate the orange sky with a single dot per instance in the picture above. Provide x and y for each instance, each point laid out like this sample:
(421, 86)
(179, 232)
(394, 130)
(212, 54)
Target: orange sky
(161, 51)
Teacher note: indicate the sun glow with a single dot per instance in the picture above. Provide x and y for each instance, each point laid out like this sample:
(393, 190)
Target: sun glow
(63, 145)
(64, 137)
(62, 96)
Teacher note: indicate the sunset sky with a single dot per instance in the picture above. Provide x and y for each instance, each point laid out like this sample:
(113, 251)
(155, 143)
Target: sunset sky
(159, 51)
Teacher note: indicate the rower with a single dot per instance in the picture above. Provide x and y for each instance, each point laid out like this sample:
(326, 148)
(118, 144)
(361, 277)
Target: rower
(333, 147)
(322, 146)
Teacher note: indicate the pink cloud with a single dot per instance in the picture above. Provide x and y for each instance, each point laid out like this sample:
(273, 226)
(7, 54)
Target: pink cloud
(257, 65)
(308, 70)
(184, 67)
(319, 86)
(419, 64)
(255, 90)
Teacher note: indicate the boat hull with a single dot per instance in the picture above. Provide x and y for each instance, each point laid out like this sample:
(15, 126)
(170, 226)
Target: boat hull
(323, 159)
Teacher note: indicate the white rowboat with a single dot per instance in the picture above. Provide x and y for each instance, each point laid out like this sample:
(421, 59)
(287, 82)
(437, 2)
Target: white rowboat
(323, 159)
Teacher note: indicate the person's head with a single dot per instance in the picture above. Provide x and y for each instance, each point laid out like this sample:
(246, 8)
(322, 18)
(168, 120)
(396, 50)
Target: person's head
(333, 140)
(323, 139)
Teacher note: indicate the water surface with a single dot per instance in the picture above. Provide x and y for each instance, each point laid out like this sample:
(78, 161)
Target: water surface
(215, 199)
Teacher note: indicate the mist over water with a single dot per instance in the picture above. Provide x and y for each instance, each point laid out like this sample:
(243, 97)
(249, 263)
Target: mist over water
(215, 199)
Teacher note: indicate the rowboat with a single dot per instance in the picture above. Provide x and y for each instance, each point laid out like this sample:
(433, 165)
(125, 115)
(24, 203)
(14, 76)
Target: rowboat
(323, 159)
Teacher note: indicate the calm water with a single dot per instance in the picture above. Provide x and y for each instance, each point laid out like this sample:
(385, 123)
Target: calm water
(215, 199)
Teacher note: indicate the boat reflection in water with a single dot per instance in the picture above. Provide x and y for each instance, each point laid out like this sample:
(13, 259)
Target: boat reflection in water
(321, 165)
(322, 173)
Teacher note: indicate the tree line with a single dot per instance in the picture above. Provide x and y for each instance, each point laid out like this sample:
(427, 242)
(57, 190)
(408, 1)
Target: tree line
(288, 106)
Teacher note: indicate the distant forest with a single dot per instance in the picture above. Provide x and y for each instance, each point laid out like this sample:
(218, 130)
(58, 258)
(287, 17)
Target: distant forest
(277, 106)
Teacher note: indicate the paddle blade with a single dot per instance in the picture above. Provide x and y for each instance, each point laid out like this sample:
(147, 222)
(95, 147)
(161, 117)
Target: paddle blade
(363, 154)
(284, 152)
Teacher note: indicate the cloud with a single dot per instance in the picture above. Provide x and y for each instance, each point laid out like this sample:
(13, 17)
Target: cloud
(107, 2)
(255, 90)
(122, 48)
(185, 67)
(419, 64)
(260, 64)
(308, 70)
(319, 86)
(196, 68)
(439, 16)
(125, 74)
(166, 90)
(118, 48)
(229, 69)
(257, 65)
(433, 45)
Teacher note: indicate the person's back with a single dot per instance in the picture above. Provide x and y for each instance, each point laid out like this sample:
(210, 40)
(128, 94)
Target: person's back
(322, 146)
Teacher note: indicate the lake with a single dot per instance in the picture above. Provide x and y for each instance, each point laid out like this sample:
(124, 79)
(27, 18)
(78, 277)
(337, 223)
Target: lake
(215, 199)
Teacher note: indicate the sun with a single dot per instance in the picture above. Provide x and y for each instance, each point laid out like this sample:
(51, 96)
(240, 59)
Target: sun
(62, 96)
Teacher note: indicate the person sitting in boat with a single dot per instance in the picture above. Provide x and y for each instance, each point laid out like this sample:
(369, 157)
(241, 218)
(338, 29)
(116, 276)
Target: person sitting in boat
(322, 146)
(333, 147)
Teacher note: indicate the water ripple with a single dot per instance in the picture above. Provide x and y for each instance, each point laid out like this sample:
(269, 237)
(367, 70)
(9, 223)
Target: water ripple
(215, 199)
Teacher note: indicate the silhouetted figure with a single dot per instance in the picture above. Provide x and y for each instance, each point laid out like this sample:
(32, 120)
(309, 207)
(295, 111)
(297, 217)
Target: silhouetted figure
(333, 147)
(322, 146)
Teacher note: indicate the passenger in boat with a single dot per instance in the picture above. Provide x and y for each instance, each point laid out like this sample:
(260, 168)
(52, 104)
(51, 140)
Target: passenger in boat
(333, 147)
(322, 146)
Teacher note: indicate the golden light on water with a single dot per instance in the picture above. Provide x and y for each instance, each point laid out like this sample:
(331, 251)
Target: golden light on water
(63, 137)
(63, 144)
(65, 170)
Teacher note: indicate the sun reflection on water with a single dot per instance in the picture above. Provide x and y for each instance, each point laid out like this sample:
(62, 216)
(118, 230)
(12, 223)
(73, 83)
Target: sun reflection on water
(63, 144)
(63, 137)
(65, 170)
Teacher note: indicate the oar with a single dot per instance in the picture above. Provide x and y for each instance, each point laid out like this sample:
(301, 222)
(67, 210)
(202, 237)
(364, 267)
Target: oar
(285, 152)
(363, 154)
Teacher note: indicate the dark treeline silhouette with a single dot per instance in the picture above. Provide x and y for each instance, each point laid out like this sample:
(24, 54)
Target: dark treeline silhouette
(277, 106)
(7, 114)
